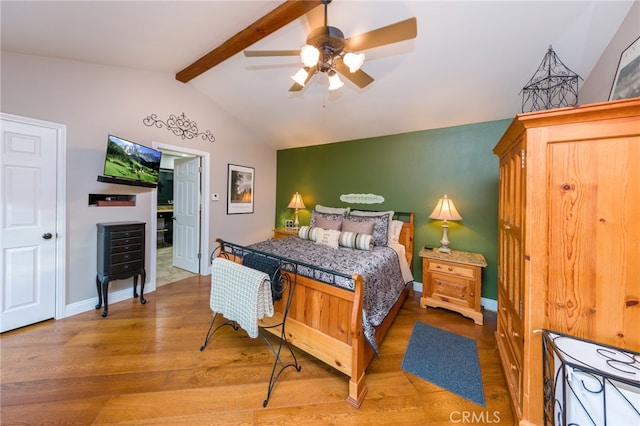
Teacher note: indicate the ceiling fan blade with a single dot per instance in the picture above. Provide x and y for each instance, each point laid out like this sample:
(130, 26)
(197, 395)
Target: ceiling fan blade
(400, 31)
(272, 21)
(360, 78)
(315, 18)
(296, 87)
(258, 53)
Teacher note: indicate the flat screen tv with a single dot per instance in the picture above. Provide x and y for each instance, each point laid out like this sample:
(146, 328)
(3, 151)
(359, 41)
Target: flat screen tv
(131, 163)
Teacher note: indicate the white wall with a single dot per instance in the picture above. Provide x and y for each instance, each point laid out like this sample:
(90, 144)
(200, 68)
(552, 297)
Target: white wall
(95, 100)
(597, 86)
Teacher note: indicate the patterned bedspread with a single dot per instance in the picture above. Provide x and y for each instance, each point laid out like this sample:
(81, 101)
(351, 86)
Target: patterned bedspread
(379, 268)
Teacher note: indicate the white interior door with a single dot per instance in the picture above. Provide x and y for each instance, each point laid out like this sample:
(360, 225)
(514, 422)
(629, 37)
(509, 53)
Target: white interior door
(28, 171)
(186, 214)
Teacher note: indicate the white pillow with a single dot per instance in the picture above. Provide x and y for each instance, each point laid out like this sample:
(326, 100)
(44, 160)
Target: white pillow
(394, 232)
(328, 237)
(332, 210)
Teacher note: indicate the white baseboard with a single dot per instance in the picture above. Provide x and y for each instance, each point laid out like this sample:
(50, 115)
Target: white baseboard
(487, 304)
(90, 304)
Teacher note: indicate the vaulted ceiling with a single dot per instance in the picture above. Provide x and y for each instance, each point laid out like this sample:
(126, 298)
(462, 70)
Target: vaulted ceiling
(468, 63)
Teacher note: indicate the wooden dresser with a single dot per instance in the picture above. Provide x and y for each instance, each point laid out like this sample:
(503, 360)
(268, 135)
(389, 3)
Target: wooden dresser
(120, 256)
(569, 226)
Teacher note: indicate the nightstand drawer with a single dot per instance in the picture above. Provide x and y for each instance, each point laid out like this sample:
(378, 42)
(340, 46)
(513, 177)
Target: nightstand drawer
(460, 271)
(453, 290)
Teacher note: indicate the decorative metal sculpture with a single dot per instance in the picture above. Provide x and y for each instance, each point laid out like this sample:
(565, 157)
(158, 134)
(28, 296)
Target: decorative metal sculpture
(552, 86)
(179, 126)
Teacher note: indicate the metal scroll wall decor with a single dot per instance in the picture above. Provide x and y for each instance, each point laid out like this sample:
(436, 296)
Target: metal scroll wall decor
(552, 86)
(179, 126)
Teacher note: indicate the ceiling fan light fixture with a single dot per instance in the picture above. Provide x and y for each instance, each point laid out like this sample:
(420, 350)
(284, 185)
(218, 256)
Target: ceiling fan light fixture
(354, 61)
(309, 55)
(334, 81)
(301, 76)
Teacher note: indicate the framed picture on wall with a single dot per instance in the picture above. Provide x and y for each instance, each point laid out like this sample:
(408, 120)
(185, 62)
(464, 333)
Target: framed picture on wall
(626, 84)
(240, 189)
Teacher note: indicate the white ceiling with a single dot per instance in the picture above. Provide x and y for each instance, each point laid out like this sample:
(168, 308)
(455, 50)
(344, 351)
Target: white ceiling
(467, 64)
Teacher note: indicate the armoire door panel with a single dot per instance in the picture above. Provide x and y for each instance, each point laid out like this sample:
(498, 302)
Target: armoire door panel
(593, 230)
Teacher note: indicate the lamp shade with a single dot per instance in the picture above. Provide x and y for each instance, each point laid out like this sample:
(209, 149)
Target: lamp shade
(309, 55)
(296, 202)
(301, 76)
(445, 210)
(353, 60)
(335, 82)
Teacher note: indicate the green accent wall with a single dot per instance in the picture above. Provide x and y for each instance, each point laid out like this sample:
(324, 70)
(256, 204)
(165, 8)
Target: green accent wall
(411, 171)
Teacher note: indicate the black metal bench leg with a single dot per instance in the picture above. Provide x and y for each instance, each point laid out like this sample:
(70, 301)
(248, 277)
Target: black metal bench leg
(211, 332)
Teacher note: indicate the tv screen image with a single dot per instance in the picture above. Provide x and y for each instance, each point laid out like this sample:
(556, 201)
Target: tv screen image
(131, 161)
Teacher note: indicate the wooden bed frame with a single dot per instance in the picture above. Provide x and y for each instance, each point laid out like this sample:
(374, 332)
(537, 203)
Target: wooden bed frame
(326, 321)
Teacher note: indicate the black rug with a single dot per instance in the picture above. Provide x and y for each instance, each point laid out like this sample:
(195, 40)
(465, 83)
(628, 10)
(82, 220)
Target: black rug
(446, 360)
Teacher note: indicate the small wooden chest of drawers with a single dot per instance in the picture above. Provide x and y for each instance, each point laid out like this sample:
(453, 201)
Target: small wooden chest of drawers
(453, 281)
(120, 255)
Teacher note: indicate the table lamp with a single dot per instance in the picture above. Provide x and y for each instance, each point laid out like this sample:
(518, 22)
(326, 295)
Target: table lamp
(445, 210)
(296, 203)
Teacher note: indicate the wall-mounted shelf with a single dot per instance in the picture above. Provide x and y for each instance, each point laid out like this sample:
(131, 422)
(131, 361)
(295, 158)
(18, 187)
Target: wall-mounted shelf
(109, 179)
(112, 200)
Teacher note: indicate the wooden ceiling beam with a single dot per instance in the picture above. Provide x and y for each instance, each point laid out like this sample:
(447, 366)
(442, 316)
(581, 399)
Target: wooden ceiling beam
(272, 21)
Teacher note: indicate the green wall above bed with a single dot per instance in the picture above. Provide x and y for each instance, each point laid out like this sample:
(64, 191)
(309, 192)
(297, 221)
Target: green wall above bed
(411, 171)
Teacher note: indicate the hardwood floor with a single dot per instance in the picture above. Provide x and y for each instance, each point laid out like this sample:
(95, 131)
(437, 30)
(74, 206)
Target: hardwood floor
(142, 365)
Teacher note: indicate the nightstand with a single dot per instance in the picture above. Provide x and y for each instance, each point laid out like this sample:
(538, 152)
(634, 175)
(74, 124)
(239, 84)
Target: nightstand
(285, 232)
(453, 281)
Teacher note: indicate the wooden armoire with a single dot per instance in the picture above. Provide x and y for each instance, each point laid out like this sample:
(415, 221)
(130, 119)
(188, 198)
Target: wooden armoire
(569, 237)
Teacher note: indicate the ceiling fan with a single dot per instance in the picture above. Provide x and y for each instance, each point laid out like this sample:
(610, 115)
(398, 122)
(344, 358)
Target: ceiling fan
(328, 51)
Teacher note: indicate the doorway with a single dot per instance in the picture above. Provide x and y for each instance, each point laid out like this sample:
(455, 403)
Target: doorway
(169, 246)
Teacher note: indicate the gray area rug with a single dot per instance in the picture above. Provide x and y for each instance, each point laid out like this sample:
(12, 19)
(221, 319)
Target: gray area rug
(446, 360)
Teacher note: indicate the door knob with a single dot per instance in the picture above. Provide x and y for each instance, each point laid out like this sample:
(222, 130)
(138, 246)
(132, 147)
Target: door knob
(47, 236)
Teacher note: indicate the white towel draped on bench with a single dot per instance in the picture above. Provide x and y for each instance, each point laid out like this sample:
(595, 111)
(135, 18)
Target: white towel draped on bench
(240, 294)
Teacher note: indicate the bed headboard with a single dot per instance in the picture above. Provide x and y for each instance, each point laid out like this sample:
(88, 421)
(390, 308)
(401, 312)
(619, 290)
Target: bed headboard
(406, 235)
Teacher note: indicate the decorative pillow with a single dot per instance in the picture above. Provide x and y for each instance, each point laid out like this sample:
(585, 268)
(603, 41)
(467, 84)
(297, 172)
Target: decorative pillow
(382, 222)
(328, 237)
(308, 233)
(357, 227)
(356, 241)
(326, 223)
(331, 216)
(394, 233)
(332, 210)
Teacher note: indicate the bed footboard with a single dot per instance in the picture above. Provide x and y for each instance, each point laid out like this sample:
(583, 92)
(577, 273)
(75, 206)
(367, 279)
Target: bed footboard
(326, 322)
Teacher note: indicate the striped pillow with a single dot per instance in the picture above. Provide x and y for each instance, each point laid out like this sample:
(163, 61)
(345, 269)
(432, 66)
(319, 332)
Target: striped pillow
(356, 241)
(309, 233)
